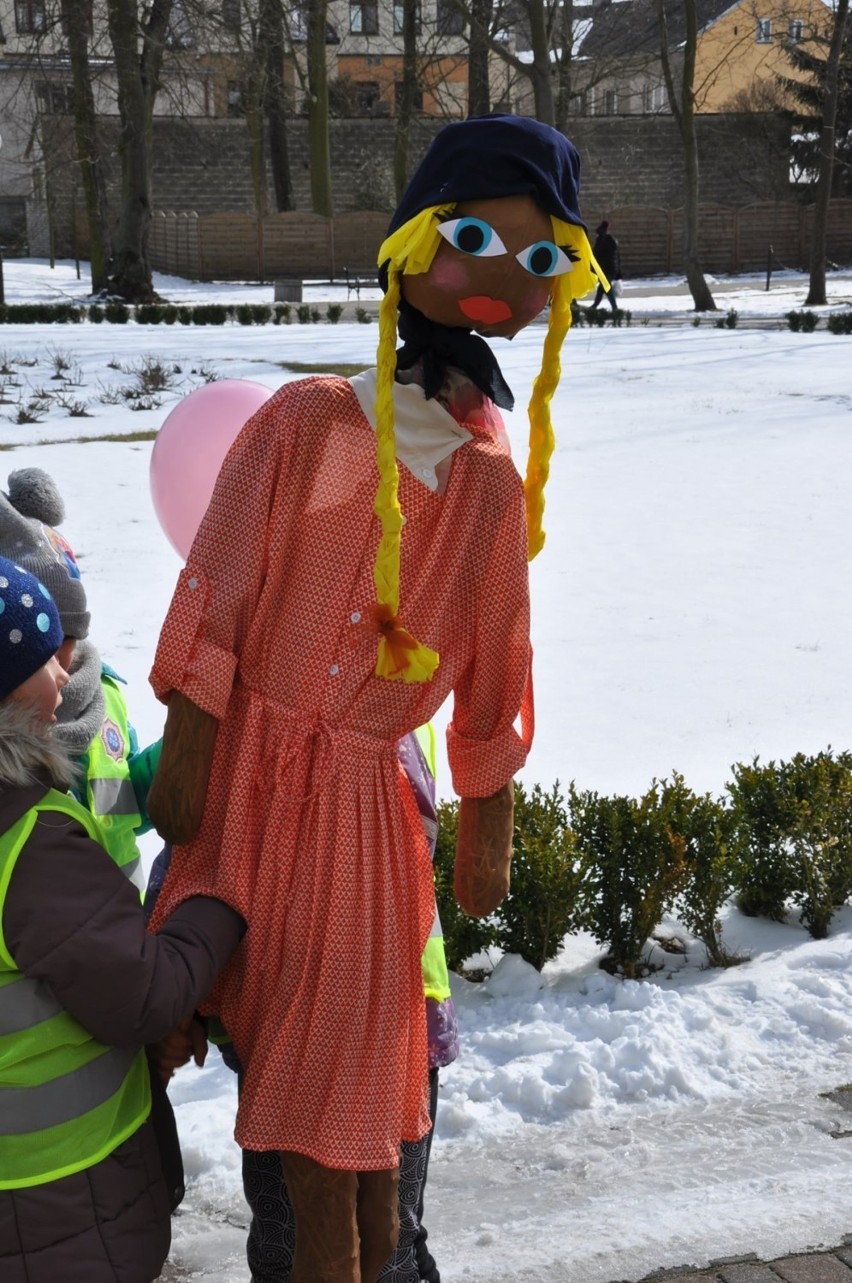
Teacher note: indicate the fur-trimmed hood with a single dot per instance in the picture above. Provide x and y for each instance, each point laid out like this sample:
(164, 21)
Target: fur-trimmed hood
(30, 753)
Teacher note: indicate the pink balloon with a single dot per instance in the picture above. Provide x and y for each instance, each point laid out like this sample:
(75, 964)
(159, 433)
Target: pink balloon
(190, 449)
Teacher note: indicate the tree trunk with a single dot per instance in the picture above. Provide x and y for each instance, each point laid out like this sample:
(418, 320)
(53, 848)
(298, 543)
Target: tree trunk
(816, 288)
(408, 89)
(138, 82)
(275, 101)
(478, 86)
(318, 132)
(542, 78)
(564, 68)
(76, 25)
(254, 126)
(683, 110)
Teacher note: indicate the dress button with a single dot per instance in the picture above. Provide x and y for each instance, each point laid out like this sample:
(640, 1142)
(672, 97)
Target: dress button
(334, 670)
(193, 583)
(355, 617)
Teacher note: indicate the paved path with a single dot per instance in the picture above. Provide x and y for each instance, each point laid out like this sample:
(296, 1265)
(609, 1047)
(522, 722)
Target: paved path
(834, 1266)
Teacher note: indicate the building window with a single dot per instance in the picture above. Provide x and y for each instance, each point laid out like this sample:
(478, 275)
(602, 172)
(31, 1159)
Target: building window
(795, 30)
(418, 96)
(764, 31)
(364, 17)
(367, 97)
(29, 16)
(88, 17)
(55, 99)
(236, 98)
(611, 102)
(399, 19)
(450, 19)
(231, 16)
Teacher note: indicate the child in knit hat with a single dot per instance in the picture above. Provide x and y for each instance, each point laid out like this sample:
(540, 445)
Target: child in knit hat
(83, 986)
(92, 722)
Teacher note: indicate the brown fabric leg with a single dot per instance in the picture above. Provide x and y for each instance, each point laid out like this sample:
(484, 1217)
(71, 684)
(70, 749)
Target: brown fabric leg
(378, 1219)
(324, 1201)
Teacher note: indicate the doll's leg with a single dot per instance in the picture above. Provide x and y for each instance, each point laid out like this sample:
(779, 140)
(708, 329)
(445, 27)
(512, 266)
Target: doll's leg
(324, 1201)
(378, 1220)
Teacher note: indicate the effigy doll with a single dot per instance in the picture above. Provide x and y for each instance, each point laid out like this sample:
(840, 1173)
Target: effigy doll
(317, 621)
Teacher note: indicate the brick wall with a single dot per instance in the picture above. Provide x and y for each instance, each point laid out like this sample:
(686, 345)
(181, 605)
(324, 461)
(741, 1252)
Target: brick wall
(628, 163)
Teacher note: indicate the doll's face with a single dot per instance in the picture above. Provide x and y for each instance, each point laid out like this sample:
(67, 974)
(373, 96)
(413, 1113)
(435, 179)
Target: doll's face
(493, 270)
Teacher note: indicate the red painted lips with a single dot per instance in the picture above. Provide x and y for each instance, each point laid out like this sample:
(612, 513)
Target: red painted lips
(482, 308)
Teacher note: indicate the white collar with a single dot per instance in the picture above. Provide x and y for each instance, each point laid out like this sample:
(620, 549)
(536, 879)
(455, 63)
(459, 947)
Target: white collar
(425, 432)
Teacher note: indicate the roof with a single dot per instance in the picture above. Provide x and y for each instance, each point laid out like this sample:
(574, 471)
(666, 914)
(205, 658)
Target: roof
(623, 28)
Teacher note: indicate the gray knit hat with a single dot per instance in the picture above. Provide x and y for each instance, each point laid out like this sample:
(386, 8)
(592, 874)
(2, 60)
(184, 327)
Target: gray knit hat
(28, 514)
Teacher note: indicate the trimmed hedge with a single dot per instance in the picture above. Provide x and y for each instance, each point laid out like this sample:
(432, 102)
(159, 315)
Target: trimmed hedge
(780, 838)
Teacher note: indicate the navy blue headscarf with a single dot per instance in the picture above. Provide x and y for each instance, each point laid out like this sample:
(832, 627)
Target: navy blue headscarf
(482, 158)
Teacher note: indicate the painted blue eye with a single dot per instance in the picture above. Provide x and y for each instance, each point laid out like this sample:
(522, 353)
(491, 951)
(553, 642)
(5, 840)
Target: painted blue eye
(544, 259)
(472, 236)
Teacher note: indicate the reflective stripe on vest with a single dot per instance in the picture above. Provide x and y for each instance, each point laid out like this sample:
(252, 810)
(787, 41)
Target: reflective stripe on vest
(436, 978)
(109, 791)
(66, 1100)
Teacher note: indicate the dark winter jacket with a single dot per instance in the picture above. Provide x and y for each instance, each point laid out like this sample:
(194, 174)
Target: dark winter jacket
(72, 919)
(606, 252)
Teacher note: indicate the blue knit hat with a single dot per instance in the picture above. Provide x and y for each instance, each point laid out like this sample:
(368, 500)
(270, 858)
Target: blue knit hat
(30, 631)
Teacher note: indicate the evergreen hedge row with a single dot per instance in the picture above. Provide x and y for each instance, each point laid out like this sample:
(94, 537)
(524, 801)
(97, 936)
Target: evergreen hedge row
(117, 313)
(779, 837)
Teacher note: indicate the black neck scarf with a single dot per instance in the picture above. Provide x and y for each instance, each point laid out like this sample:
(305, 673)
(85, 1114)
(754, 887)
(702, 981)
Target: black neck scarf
(440, 346)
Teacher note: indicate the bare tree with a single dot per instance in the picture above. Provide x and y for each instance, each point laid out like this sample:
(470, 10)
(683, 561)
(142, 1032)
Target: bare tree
(75, 20)
(138, 53)
(318, 128)
(816, 287)
(407, 94)
(682, 103)
(272, 48)
(478, 83)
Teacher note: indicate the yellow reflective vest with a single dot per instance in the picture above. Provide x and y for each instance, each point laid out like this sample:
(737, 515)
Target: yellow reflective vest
(66, 1100)
(110, 795)
(436, 978)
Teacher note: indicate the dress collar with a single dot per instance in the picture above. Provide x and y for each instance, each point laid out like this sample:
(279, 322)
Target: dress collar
(426, 433)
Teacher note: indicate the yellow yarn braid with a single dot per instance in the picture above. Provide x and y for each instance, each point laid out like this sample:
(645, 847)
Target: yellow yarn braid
(400, 655)
(571, 285)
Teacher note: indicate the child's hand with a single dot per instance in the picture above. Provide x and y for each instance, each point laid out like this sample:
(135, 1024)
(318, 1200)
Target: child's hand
(175, 1050)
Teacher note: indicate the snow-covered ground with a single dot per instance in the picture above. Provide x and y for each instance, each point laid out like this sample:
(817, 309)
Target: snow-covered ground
(691, 609)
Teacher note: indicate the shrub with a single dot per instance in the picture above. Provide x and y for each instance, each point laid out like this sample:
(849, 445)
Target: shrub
(362, 315)
(729, 321)
(804, 320)
(116, 312)
(169, 313)
(793, 836)
(184, 315)
(282, 314)
(839, 322)
(633, 865)
(333, 313)
(209, 314)
(463, 936)
(707, 826)
(542, 905)
(148, 313)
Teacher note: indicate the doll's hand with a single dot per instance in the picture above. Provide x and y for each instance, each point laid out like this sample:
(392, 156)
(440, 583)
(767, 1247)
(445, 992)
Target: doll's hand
(484, 851)
(179, 789)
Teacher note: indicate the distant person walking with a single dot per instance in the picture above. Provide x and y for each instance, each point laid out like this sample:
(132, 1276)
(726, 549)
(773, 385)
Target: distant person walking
(606, 252)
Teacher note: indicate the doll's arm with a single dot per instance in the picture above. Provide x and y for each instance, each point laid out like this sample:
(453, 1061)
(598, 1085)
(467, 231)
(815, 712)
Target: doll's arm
(179, 791)
(484, 851)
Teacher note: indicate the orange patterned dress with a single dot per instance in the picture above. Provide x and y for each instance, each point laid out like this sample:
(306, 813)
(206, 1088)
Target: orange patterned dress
(310, 829)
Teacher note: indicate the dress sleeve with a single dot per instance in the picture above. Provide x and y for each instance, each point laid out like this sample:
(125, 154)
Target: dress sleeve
(218, 590)
(484, 748)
